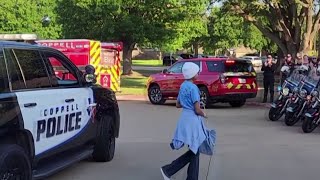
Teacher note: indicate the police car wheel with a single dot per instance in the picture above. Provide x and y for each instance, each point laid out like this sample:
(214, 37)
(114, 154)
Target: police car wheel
(105, 142)
(14, 163)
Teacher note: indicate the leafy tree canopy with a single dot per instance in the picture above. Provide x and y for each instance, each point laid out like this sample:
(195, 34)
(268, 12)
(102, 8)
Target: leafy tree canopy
(20, 17)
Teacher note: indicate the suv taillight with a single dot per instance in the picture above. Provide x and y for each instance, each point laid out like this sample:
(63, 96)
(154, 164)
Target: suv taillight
(222, 79)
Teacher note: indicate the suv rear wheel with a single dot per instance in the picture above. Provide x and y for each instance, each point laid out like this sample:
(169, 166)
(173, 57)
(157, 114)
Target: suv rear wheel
(204, 96)
(155, 95)
(237, 103)
(14, 163)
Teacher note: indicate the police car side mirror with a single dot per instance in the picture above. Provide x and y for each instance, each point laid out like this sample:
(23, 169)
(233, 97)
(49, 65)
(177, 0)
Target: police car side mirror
(90, 74)
(165, 71)
(90, 78)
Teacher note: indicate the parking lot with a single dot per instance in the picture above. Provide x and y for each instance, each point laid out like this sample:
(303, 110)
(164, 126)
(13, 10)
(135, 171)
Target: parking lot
(248, 147)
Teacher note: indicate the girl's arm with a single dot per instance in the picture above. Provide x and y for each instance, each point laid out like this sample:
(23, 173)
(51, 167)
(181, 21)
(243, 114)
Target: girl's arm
(178, 105)
(199, 110)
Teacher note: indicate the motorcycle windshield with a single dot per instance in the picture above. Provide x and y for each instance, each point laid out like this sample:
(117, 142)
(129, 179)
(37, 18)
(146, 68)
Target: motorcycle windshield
(311, 81)
(295, 78)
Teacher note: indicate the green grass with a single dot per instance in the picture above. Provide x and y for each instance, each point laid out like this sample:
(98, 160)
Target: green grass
(134, 84)
(149, 62)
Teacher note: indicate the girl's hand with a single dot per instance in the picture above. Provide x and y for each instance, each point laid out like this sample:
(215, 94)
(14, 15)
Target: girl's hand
(205, 115)
(178, 105)
(198, 109)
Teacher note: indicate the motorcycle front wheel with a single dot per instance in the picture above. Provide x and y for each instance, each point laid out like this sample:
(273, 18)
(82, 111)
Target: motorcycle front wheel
(308, 124)
(290, 119)
(274, 114)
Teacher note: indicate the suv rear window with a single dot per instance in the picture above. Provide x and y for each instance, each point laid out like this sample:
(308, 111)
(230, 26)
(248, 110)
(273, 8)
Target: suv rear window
(238, 66)
(215, 66)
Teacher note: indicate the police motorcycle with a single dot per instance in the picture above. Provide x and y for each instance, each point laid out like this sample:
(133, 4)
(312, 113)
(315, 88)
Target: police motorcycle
(312, 115)
(294, 80)
(301, 101)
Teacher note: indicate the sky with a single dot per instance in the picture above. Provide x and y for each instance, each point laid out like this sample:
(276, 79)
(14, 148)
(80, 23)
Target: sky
(218, 4)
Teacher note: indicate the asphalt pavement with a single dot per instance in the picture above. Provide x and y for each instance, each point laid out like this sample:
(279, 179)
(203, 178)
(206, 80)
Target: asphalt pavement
(249, 147)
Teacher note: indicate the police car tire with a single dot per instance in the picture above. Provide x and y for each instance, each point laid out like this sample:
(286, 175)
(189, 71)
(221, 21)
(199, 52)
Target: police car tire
(105, 143)
(14, 157)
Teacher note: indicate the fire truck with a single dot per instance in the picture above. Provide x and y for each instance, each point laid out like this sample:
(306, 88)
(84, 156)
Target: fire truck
(103, 56)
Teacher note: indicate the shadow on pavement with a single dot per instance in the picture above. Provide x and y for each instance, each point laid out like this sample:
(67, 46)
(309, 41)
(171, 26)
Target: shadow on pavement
(212, 106)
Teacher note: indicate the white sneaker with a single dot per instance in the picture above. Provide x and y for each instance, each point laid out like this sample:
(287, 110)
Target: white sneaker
(165, 177)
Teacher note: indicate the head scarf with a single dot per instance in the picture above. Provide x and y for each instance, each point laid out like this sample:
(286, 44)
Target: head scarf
(190, 70)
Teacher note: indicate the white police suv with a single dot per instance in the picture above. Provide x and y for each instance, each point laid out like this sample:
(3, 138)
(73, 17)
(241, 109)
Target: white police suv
(49, 121)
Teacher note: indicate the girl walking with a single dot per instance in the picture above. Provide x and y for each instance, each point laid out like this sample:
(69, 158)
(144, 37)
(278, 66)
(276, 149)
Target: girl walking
(189, 129)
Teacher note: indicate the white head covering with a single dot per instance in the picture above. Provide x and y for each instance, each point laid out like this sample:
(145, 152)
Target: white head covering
(190, 70)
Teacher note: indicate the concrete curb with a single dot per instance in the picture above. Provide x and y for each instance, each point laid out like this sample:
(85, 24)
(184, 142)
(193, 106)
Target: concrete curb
(143, 98)
(131, 98)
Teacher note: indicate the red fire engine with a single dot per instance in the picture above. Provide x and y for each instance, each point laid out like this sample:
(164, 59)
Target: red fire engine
(105, 57)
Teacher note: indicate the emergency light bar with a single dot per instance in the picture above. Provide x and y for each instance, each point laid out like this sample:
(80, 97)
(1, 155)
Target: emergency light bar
(230, 61)
(17, 37)
(112, 45)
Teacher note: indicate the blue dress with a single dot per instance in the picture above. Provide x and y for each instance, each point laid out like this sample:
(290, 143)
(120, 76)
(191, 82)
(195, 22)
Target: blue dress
(189, 130)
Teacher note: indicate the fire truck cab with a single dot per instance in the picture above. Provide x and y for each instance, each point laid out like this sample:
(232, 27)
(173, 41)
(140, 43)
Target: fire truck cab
(104, 57)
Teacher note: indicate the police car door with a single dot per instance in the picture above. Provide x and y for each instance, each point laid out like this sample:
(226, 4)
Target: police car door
(53, 115)
(73, 111)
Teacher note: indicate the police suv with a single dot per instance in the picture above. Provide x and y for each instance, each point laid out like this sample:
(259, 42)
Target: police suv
(49, 121)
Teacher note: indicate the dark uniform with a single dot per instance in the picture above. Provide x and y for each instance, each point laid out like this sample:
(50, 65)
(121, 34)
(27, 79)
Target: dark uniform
(268, 81)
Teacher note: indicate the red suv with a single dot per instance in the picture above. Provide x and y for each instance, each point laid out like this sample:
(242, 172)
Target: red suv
(220, 80)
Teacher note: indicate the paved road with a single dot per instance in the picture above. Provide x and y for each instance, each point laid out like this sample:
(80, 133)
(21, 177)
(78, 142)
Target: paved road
(249, 147)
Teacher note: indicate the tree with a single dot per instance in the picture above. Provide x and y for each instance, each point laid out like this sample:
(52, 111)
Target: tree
(291, 24)
(21, 17)
(192, 29)
(226, 30)
(131, 21)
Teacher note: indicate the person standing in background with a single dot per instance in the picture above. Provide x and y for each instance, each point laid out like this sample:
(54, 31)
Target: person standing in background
(306, 60)
(268, 69)
(299, 60)
(287, 62)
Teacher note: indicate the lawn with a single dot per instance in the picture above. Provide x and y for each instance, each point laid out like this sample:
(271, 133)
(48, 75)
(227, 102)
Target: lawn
(149, 62)
(135, 83)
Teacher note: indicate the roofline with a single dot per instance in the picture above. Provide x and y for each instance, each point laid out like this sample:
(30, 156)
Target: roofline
(63, 40)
